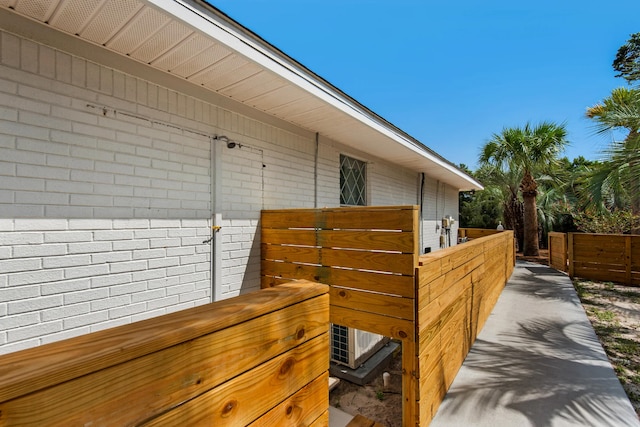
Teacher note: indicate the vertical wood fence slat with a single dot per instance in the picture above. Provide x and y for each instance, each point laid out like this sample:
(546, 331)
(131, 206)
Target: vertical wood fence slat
(570, 246)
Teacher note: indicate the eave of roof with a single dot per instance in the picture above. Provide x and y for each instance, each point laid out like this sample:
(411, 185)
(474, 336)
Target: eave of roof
(194, 41)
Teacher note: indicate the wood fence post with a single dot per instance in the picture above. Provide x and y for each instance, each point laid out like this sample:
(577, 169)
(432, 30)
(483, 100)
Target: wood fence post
(627, 259)
(410, 413)
(570, 254)
(565, 254)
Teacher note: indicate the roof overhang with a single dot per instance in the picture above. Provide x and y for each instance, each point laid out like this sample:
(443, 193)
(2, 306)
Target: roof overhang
(200, 45)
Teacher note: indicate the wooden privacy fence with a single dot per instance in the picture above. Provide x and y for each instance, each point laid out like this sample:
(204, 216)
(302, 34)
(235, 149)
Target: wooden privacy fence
(369, 256)
(608, 257)
(260, 359)
(457, 288)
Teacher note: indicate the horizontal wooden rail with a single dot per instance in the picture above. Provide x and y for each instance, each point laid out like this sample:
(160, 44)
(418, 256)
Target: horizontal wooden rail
(260, 358)
(475, 233)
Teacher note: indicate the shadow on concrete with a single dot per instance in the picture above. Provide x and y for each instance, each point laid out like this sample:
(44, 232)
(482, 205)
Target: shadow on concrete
(537, 362)
(543, 282)
(541, 386)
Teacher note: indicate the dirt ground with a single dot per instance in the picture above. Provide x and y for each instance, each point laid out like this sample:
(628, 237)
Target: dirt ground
(373, 400)
(613, 309)
(614, 312)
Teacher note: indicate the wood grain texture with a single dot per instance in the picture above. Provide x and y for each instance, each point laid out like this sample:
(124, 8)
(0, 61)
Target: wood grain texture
(322, 421)
(352, 218)
(303, 408)
(254, 393)
(391, 262)
(457, 288)
(36, 368)
(446, 295)
(144, 387)
(388, 326)
(387, 305)
(277, 338)
(393, 284)
(557, 244)
(369, 253)
(476, 233)
(410, 390)
(390, 241)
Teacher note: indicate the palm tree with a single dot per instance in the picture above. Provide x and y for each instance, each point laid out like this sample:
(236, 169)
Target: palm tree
(506, 178)
(529, 148)
(552, 200)
(620, 172)
(602, 188)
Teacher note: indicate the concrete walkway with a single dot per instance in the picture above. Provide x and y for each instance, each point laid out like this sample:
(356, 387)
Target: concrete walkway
(537, 362)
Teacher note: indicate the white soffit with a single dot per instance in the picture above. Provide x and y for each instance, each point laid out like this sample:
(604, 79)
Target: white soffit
(193, 41)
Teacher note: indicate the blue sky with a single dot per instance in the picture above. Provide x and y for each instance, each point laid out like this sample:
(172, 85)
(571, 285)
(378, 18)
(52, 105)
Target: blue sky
(451, 74)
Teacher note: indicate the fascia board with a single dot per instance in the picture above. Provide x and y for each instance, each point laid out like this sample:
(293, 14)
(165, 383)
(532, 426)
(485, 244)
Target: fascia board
(217, 29)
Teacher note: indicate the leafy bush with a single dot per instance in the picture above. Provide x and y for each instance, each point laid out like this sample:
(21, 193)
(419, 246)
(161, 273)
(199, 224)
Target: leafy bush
(617, 222)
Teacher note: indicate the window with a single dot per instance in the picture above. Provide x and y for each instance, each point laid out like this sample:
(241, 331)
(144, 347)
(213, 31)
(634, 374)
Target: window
(352, 181)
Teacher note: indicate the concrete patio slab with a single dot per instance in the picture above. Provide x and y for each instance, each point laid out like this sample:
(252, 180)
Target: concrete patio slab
(338, 418)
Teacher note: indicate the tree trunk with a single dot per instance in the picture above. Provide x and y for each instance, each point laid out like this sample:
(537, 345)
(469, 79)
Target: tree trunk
(529, 189)
(634, 175)
(519, 228)
(513, 218)
(635, 201)
(530, 247)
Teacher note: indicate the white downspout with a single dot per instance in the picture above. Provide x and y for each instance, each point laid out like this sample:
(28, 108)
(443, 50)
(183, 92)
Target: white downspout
(315, 171)
(216, 220)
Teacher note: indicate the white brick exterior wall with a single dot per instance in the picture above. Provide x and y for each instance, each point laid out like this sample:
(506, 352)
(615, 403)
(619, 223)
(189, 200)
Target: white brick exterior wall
(106, 195)
(102, 214)
(440, 200)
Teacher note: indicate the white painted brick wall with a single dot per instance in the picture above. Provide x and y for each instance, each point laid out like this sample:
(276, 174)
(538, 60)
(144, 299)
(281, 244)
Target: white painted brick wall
(391, 185)
(102, 214)
(440, 200)
(97, 284)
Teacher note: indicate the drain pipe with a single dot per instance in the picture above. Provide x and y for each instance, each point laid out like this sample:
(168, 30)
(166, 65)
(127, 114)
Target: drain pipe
(421, 214)
(315, 171)
(216, 220)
